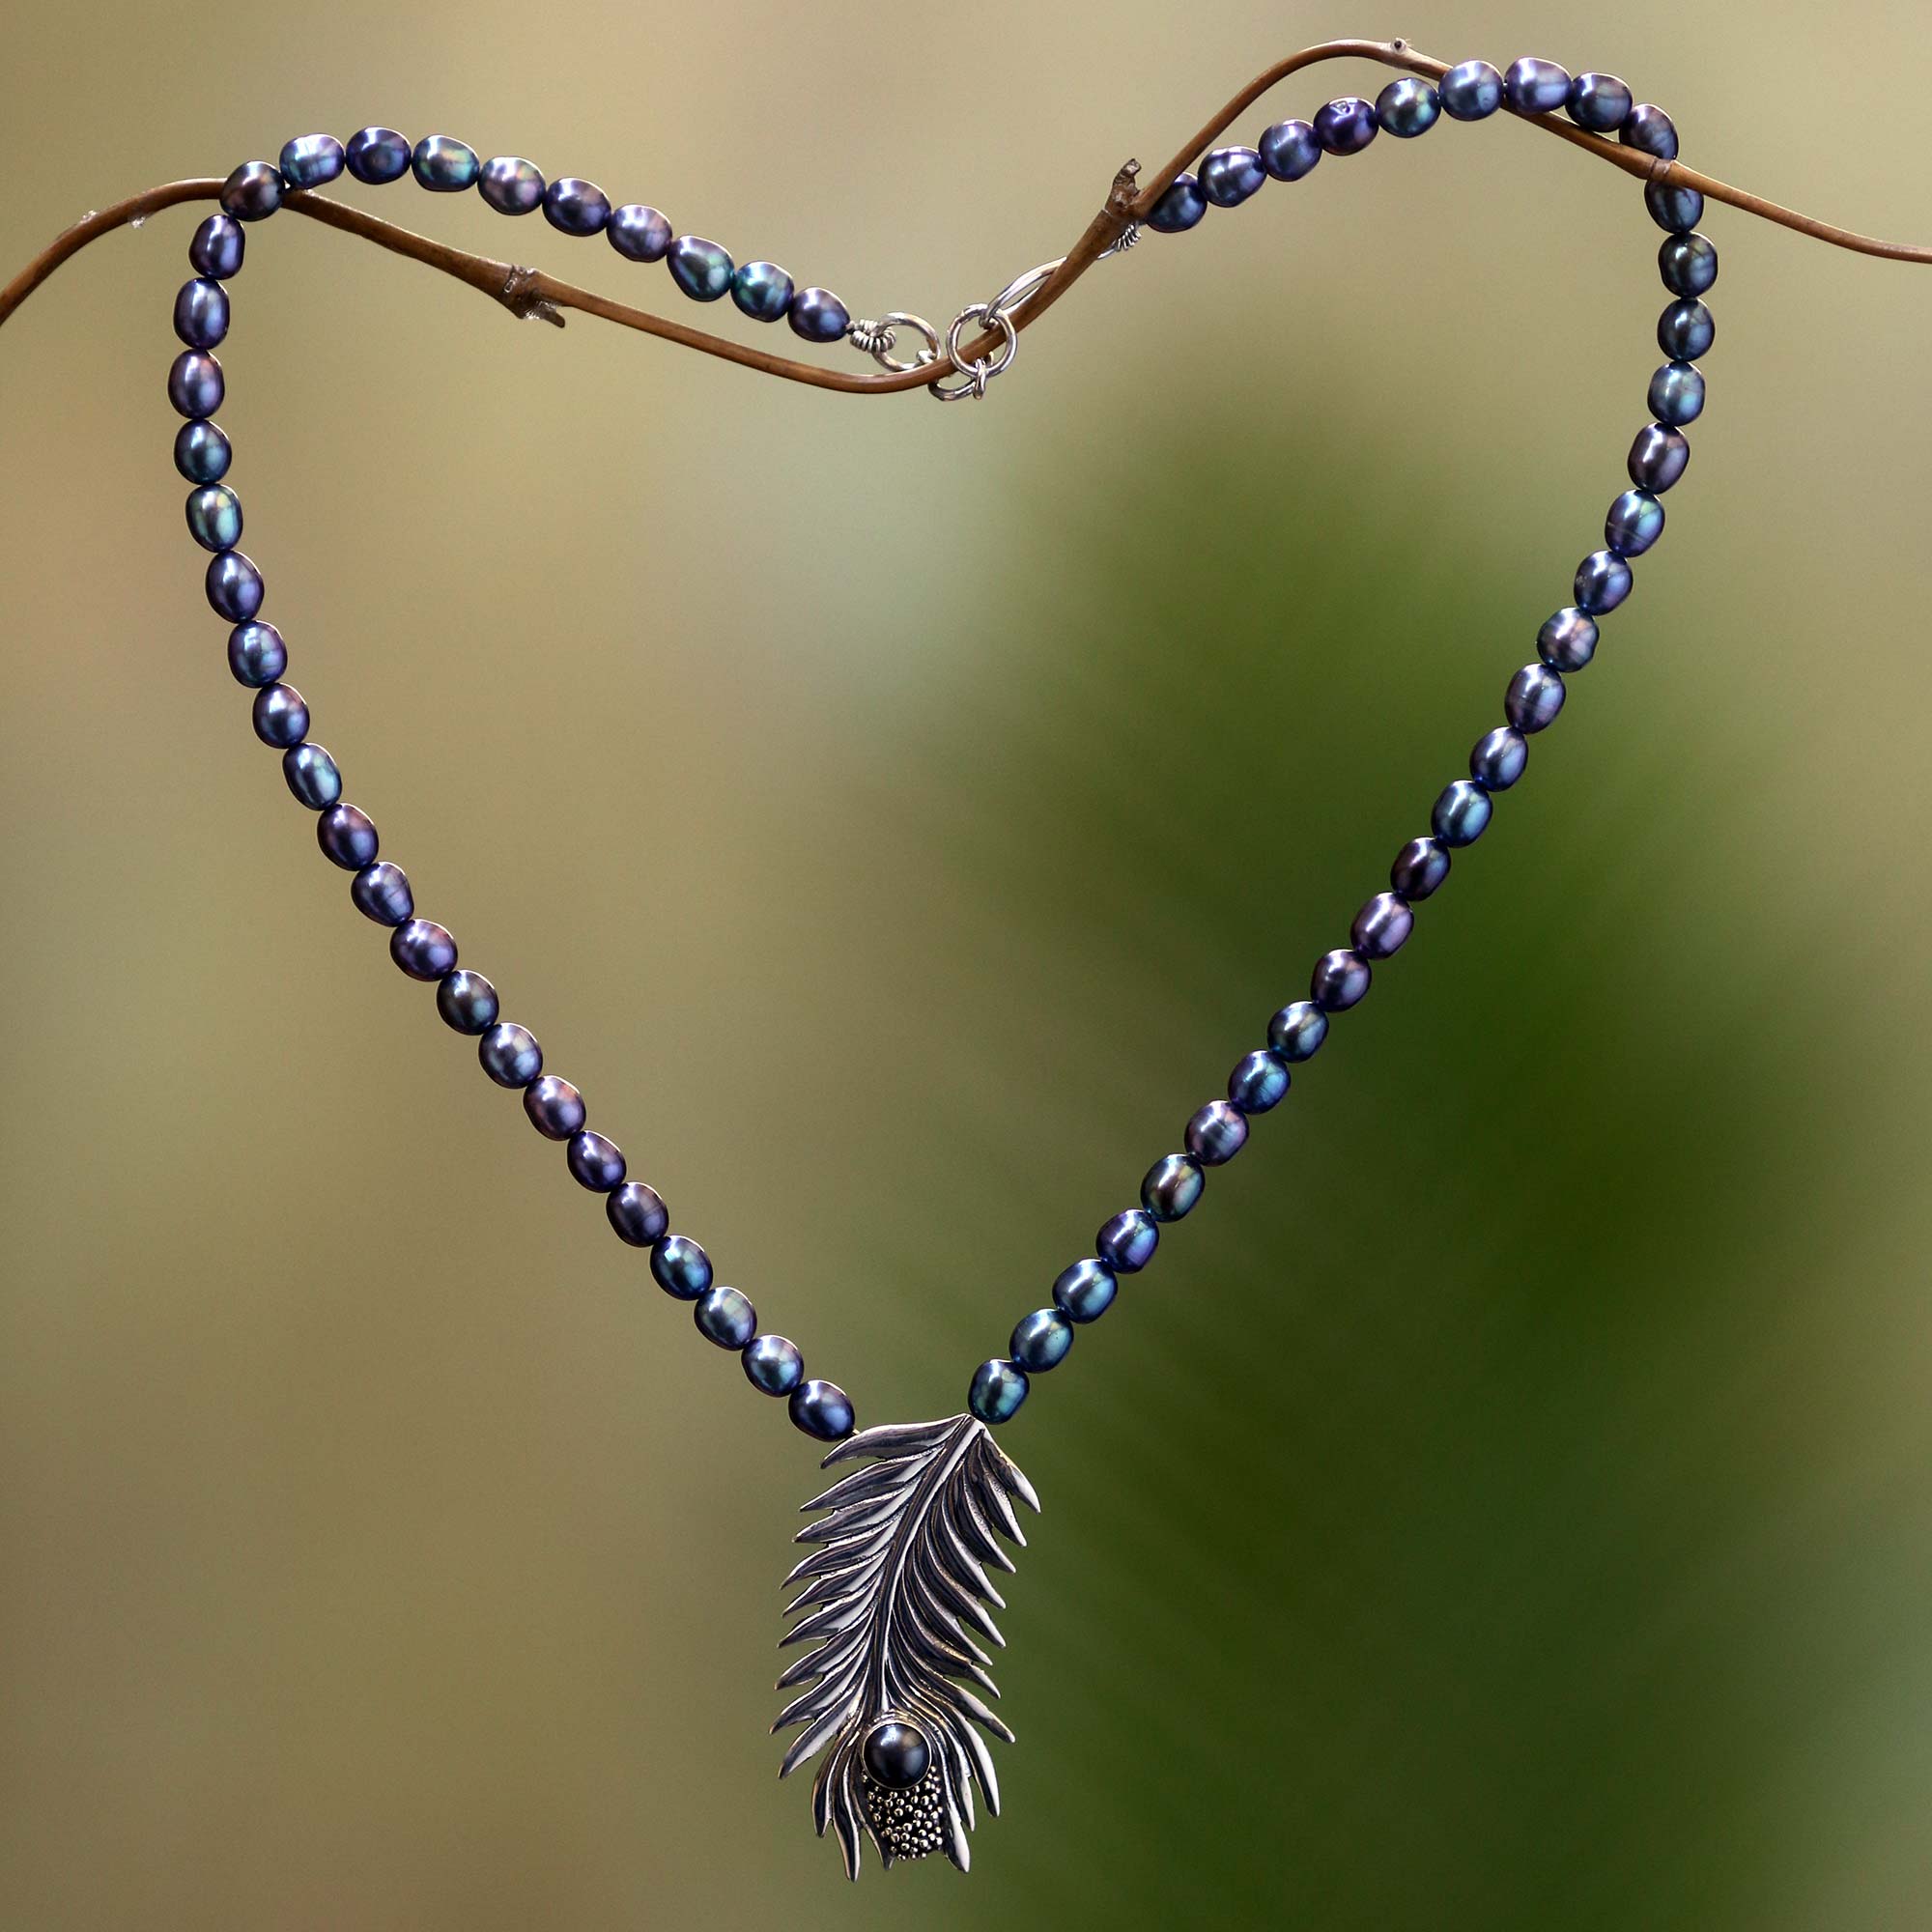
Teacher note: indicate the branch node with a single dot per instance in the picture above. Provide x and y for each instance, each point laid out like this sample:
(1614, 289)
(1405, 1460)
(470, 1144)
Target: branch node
(520, 296)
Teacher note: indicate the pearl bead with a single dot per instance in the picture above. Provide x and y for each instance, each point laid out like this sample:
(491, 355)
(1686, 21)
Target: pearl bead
(1340, 981)
(310, 160)
(194, 383)
(1602, 583)
(1040, 1339)
(280, 715)
(1498, 759)
(1216, 1134)
(761, 289)
(1288, 150)
(1382, 927)
(1650, 131)
(1677, 393)
(465, 1000)
(1568, 640)
(822, 1409)
(1171, 1186)
(1259, 1082)
(510, 1055)
(256, 654)
(1599, 102)
(726, 1317)
(1472, 90)
(313, 777)
(1677, 209)
(1419, 868)
(701, 269)
(1536, 86)
(252, 192)
(997, 1390)
(1407, 107)
(680, 1267)
(817, 315)
(1298, 1030)
(773, 1363)
(1085, 1291)
(555, 1108)
(215, 517)
(1229, 175)
(638, 233)
(1658, 456)
(201, 451)
(201, 312)
(1635, 523)
(1180, 205)
(896, 1754)
(1534, 697)
(1685, 329)
(443, 165)
(422, 949)
(381, 891)
(1461, 814)
(1127, 1242)
(1346, 126)
(639, 1216)
(233, 586)
(597, 1162)
(576, 207)
(511, 185)
(218, 247)
(1688, 264)
(347, 836)
(377, 155)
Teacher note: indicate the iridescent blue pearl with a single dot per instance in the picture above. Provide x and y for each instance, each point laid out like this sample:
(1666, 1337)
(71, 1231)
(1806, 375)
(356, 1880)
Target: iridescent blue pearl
(1658, 457)
(1677, 209)
(443, 165)
(194, 383)
(1180, 205)
(215, 517)
(639, 1214)
(1602, 583)
(424, 950)
(1635, 523)
(1040, 1339)
(1216, 1134)
(256, 654)
(1346, 126)
(773, 1364)
(1339, 982)
(1420, 866)
(818, 314)
(1677, 393)
(1171, 1186)
(310, 160)
(1688, 264)
(347, 836)
(313, 777)
(701, 269)
(1288, 150)
(1568, 640)
(233, 586)
(1498, 758)
(280, 715)
(201, 312)
(576, 207)
(1599, 102)
(510, 1055)
(597, 1163)
(1259, 1082)
(218, 247)
(555, 1108)
(511, 185)
(1461, 814)
(1382, 927)
(1685, 330)
(381, 891)
(680, 1267)
(1536, 86)
(252, 192)
(1229, 175)
(377, 155)
(762, 290)
(640, 234)
(998, 1388)
(1534, 697)
(727, 1317)
(1407, 107)
(201, 451)
(822, 1409)
(1650, 131)
(1472, 90)
(1085, 1290)
(465, 1000)
(1127, 1242)
(1298, 1030)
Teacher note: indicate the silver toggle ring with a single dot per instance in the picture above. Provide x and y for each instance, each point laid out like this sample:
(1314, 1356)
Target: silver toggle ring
(883, 333)
(976, 375)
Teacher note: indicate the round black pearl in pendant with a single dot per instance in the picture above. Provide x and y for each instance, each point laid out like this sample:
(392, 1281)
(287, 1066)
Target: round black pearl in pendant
(896, 1753)
(822, 1409)
(773, 1364)
(555, 1108)
(638, 233)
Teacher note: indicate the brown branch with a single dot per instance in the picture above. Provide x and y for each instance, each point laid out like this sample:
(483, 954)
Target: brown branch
(530, 292)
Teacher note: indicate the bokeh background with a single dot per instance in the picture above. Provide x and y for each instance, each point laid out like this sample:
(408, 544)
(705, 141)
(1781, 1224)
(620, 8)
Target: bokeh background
(1508, 1502)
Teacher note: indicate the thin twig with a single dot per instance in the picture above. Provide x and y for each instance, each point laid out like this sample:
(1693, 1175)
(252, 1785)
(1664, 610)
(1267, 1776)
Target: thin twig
(529, 291)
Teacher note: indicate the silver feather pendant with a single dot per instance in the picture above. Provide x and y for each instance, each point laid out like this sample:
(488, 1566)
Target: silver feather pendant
(894, 1596)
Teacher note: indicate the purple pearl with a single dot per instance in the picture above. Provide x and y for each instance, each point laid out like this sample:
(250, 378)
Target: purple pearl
(381, 891)
(1289, 150)
(1229, 175)
(511, 185)
(1216, 1134)
(194, 383)
(347, 836)
(818, 314)
(1419, 868)
(1127, 1243)
(1498, 758)
(1536, 86)
(280, 716)
(596, 1163)
(1602, 583)
(638, 1214)
(218, 247)
(201, 312)
(1650, 131)
(1534, 697)
(378, 154)
(1382, 927)
(233, 586)
(1346, 126)
(555, 1106)
(1568, 640)
(311, 161)
(638, 233)
(252, 192)
(422, 949)
(576, 207)
(1180, 205)
(1339, 982)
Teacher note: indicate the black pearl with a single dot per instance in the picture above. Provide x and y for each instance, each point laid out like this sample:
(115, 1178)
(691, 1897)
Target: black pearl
(773, 1363)
(1498, 758)
(680, 1267)
(1534, 697)
(1635, 523)
(1658, 456)
(638, 1214)
(1568, 640)
(252, 192)
(1650, 131)
(218, 247)
(761, 289)
(822, 1409)
(310, 160)
(1536, 86)
(467, 1002)
(256, 654)
(280, 715)
(1296, 1030)
(1419, 868)
(896, 1754)
(1599, 102)
(1171, 1186)
(576, 207)
(1472, 90)
(1288, 150)
(597, 1162)
(201, 451)
(818, 314)
(201, 312)
(194, 383)
(1229, 175)
(1127, 1242)
(1677, 393)
(1685, 330)
(423, 950)
(1346, 126)
(1407, 107)
(443, 165)
(233, 586)
(377, 155)
(313, 777)
(1260, 1081)
(701, 269)
(1461, 814)
(1040, 1339)
(1180, 205)
(1677, 209)
(1339, 982)
(638, 233)
(347, 836)
(511, 185)
(555, 1106)
(725, 1316)
(1688, 264)
(215, 517)
(996, 1391)
(510, 1055)
(1085, 1291)
(381, 891)
(1602, 583)
(1382, 927)
(1216, 1134)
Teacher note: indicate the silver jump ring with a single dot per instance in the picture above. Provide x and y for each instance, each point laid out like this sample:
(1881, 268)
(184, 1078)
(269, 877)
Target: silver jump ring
(976, 375)
(1022, 289)
(898, 319)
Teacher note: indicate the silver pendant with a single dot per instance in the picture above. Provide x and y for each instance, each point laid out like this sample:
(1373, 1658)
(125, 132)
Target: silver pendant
(891, 1593)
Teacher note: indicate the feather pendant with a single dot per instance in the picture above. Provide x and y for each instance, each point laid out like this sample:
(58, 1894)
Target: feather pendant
(893, 1593)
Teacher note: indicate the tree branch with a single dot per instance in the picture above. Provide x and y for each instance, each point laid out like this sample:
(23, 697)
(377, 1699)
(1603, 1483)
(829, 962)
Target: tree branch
(527, 292)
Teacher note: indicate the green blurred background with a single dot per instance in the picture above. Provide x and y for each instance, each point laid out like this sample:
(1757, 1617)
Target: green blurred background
(1505, 1504)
